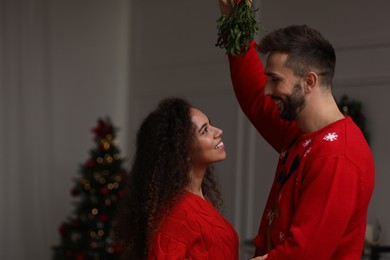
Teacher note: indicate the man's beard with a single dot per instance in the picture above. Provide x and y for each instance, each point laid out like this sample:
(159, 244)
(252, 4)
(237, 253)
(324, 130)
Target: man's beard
(292, 104)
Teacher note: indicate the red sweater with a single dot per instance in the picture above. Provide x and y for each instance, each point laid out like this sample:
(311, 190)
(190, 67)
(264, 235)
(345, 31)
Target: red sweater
(195, 230)
(317, 207)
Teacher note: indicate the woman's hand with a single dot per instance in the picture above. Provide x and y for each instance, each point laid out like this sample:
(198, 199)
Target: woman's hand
(259, 257)
(225, 6)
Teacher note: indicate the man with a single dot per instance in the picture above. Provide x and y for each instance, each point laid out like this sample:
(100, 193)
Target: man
(317, 206)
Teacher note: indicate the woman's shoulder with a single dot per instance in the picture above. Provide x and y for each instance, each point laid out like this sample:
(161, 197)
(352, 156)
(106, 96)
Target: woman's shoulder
(194, 219)
(182, 221)
(191, 212)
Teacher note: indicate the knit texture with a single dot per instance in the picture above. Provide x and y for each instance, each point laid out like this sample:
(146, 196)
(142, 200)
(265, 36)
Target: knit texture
(195, 230)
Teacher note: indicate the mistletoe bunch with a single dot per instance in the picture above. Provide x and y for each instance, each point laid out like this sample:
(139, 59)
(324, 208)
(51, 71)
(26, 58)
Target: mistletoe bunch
(236, 31)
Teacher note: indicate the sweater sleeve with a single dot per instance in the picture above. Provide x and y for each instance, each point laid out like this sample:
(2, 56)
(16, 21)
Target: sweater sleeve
(329, 196)
(249, 81)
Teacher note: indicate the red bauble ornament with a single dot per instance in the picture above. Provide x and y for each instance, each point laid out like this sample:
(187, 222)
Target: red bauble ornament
(75, 222)
(104, 191)
(62, 229)
(80, 256)
(103, 218)
(90, 164)
(121, 194)
(118, 248)
(75, 192)
(101, 148)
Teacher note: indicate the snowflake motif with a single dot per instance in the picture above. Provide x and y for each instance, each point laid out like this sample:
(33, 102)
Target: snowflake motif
(306, 143)
(281, 236)
(283, 154)
(331, 137)
(307, 152)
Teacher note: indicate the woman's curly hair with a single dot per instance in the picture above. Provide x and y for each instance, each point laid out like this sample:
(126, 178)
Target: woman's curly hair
(159, 175)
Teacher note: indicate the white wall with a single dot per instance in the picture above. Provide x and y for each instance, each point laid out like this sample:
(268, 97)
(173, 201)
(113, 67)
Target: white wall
(63, 65)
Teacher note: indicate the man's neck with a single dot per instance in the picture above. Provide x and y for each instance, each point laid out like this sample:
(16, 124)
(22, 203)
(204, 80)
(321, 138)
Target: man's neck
(316, 115)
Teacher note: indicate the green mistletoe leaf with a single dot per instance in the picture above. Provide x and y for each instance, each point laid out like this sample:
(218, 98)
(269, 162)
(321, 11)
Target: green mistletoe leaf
(236, 31)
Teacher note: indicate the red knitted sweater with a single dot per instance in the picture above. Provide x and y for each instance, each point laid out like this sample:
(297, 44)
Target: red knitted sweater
(317, 207)
(195, 230)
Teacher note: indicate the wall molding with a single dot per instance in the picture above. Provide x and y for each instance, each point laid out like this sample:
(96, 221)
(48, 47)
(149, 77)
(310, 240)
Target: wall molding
(375, 43)
(238, 208)
(362, 81)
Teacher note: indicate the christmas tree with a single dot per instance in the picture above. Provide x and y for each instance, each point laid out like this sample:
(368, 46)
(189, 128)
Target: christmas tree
(88, 233)
(353, 109)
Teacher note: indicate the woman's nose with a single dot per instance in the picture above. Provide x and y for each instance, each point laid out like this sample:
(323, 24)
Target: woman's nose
(218, 132)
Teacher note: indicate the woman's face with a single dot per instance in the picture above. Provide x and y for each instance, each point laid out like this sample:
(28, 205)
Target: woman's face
(209, 147)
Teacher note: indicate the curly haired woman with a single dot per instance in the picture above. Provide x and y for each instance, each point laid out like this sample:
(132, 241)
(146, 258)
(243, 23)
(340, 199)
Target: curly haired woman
(170, 208)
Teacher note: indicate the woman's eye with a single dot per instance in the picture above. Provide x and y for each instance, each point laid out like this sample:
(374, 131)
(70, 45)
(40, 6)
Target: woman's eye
(206, 130)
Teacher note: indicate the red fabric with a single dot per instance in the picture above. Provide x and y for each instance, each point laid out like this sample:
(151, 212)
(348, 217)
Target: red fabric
(317, 207)
(195, 230)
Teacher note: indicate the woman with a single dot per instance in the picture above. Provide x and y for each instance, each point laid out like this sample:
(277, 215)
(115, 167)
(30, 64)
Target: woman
(169, 211)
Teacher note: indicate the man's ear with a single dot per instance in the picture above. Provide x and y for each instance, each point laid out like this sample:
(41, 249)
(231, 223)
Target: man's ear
(310, 81)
